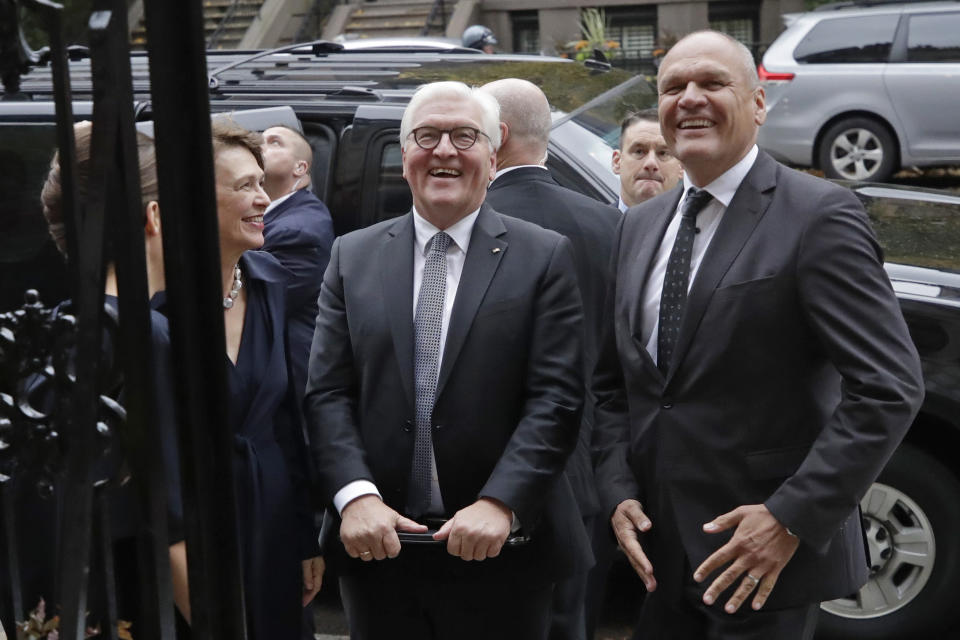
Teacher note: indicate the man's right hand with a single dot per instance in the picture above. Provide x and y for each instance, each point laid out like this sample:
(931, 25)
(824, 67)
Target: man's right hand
(368, 528)
(627, 520)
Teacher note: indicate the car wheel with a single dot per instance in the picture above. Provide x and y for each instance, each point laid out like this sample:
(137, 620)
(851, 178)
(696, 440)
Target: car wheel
(911, 516)
(858, 149)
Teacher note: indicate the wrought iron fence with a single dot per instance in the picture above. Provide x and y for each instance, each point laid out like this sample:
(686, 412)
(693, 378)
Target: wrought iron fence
(60, 418)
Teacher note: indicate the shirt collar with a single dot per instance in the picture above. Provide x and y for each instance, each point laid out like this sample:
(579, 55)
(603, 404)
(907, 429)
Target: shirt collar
(519, 166)
(725, 186)
(276, 203)
(459, 232)
(622, 205)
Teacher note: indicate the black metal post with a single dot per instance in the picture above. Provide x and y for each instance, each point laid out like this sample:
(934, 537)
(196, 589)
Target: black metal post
(178, 75)
(115, 144)
(80, 428)
(8, 547)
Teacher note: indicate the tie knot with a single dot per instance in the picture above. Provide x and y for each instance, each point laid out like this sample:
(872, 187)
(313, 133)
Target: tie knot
(695, 201)
(439, 242)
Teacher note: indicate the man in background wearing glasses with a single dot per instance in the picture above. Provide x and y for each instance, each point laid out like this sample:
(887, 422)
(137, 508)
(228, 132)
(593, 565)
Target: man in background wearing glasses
(444, 397)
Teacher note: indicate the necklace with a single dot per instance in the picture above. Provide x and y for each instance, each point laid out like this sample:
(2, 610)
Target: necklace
(235, 289)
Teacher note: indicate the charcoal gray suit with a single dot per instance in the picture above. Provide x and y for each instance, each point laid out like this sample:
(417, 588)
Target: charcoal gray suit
(793, 380)
(508, 399)
(530, 193)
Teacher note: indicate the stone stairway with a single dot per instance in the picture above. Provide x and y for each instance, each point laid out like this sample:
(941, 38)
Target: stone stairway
(225, 23)
(395, 19)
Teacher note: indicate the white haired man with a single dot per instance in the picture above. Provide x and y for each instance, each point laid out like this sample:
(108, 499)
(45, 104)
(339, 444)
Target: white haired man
(444, 397)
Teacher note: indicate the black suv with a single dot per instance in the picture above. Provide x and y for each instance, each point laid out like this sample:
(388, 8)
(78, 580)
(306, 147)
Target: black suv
(349, 105)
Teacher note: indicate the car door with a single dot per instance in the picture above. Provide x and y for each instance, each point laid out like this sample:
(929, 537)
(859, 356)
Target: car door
(924, 85)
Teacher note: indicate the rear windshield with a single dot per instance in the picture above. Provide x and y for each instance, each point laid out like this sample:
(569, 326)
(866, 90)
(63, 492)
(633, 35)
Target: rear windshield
(854, 39)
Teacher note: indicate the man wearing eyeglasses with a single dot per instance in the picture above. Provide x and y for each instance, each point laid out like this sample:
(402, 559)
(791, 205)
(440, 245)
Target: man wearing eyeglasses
(444, 397)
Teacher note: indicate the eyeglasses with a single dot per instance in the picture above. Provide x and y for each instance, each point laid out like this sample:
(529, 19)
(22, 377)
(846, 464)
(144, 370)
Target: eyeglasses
(427, 138)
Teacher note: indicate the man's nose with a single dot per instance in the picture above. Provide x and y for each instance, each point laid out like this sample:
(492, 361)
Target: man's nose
(650, 161)
(445, 146)
(692, 94)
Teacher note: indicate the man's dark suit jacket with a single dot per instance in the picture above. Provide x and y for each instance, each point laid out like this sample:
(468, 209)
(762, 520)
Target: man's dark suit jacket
(299, 233)
(531, 194)
(794, 379)
(510, 387)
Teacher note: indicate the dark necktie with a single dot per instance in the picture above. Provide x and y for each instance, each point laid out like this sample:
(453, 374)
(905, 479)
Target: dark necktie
(673, 299)
(427, 327)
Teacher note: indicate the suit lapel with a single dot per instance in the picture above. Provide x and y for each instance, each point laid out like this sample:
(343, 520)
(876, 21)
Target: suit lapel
(484, 254)
(396, 276)
(746, 209)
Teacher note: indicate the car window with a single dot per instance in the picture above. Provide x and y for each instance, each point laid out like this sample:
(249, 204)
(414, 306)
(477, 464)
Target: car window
(934, 38)
(393, 193)
(323, 141)
(855, 39)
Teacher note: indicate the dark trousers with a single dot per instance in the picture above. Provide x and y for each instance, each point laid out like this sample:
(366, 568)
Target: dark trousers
(568, 610)
(400, 600)
(667, 618)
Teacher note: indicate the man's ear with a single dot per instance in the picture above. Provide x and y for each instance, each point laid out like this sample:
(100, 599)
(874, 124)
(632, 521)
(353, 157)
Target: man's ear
(300, 168)
(504, 133)
(615, 161)
(151, 223)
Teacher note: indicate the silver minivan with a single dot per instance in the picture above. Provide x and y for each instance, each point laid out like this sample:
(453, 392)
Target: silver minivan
(861, 91)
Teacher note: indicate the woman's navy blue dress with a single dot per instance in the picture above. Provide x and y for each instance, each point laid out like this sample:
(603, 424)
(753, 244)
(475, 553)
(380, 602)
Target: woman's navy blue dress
(273, 511)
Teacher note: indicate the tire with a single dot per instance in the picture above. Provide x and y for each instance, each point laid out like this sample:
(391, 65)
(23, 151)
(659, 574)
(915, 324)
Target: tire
(911, 518)
(859, 149)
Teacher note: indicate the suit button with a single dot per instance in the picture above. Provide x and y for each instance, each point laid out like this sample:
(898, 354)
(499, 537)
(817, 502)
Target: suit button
(408, 426)
(438, 427)
(667, 403)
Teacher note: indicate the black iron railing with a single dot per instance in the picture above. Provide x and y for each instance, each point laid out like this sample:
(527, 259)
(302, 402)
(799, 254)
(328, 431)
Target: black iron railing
(59, 441)
(437, 10)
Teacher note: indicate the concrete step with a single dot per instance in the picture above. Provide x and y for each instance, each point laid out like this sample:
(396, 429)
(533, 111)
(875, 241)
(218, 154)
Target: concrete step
(388, 12)
(386, 23)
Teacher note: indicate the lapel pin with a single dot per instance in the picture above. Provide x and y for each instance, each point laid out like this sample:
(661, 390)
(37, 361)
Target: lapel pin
(495, 250)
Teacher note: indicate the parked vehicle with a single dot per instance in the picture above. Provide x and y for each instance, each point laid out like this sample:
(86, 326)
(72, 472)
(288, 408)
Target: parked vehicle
(349, 105)
(861, 90)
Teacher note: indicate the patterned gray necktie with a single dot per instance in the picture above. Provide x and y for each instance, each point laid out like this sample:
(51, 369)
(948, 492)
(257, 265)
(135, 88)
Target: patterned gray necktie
(427, 327)
(673, 299)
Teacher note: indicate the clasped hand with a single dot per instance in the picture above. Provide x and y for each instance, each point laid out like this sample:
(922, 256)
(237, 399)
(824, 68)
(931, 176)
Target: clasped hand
(758, 551)
(369, 529)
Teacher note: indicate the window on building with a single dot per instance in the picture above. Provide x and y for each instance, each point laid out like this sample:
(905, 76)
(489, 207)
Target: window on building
(740, 20)
(526, 31)
(634, 28)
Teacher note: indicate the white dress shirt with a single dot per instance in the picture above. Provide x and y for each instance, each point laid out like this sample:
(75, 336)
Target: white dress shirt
(460, 233)
(622, 205)
(722, 189)
(275, 203)
(519, 166)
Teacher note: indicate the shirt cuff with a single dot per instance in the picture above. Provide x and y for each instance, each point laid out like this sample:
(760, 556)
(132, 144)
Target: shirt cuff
(515, 525)
(353, 490)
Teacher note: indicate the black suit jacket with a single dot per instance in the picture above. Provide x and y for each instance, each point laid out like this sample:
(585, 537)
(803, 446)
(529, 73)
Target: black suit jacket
(510, 385)
(299, 233)
(794, 379)
(531, 194)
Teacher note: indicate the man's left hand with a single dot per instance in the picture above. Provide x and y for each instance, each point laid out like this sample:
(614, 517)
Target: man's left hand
(312, 577)
(477, 532)
(759, 550)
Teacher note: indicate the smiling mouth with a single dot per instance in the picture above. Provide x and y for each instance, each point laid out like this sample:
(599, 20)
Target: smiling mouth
(254, 219)
(444, 172)
(695, 124)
